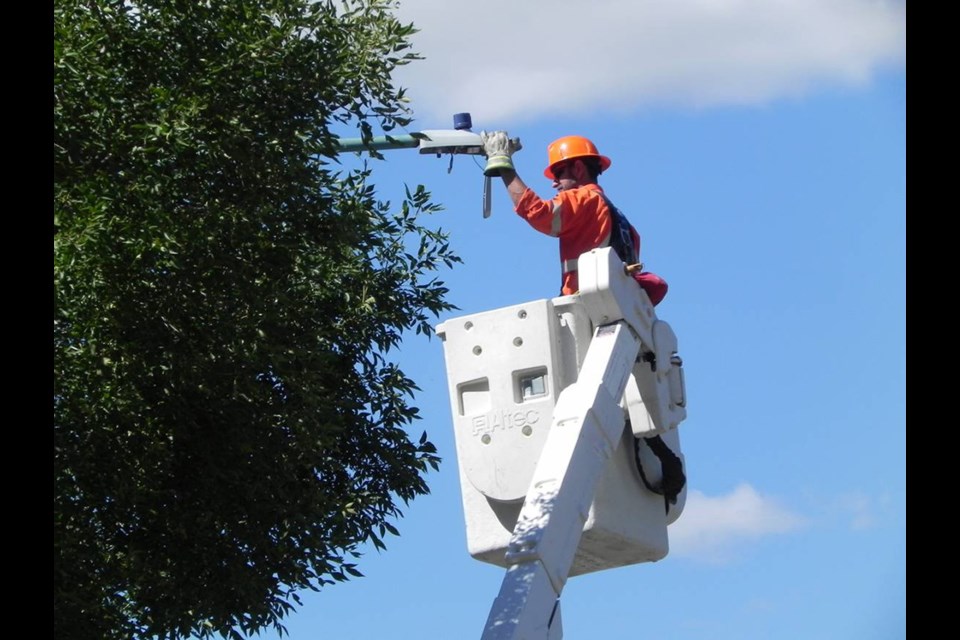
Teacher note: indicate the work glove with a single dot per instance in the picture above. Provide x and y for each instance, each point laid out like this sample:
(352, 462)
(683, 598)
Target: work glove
(499, 149)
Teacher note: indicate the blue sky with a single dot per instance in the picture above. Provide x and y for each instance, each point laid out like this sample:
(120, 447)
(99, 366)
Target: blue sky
(760, 149)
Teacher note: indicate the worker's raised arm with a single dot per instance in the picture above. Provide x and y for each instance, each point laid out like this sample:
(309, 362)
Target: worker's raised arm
(515, 186)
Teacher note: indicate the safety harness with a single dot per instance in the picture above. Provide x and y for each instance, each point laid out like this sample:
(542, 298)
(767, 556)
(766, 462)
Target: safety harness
(621, 240)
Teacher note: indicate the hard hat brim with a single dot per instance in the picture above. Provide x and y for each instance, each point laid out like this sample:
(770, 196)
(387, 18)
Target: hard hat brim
(605, 163)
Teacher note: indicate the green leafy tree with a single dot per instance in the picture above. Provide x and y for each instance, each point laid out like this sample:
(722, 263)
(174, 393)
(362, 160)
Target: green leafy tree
(229, 427)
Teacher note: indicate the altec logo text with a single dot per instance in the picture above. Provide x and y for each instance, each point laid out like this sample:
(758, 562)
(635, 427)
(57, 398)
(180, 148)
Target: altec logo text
(490, 422)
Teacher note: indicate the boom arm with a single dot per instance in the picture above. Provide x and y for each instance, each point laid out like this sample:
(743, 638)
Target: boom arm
(586, 429)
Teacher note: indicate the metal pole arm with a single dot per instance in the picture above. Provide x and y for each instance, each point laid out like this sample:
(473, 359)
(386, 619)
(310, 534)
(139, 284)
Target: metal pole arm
(379, 143)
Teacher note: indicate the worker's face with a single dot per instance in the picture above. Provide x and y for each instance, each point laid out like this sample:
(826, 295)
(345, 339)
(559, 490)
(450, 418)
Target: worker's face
(566, 175)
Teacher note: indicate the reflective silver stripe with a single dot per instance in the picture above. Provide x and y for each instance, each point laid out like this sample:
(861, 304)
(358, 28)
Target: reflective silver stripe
(571, 265)
(555, 223)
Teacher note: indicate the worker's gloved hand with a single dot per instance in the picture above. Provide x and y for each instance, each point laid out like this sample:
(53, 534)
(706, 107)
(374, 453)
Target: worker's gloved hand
(498, 148)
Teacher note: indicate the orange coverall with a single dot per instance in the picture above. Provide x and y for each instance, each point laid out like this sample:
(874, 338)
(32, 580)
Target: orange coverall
(579, 217)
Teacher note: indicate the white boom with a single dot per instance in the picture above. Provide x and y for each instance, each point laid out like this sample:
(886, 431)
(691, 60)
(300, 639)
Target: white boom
(540, 393)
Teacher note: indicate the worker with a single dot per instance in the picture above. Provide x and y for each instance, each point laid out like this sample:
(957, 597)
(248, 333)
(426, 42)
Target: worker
(583, 218)
(580, 215)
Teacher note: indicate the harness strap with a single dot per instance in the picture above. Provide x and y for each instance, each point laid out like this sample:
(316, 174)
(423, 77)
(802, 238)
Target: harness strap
(621, 240)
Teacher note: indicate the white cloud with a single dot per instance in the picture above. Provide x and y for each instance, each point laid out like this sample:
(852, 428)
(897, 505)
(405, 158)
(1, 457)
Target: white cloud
(710, 528)
(511, 60)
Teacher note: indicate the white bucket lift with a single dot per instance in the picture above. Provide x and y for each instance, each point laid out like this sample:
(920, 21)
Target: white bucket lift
(540, 393)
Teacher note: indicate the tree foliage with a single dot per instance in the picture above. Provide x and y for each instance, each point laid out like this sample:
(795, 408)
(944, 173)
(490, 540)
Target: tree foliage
(228, 424)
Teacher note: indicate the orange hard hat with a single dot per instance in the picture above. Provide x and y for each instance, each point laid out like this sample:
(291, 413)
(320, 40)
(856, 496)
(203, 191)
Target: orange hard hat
(570, 147)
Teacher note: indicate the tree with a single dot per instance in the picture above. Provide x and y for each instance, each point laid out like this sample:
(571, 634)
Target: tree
(229, 427)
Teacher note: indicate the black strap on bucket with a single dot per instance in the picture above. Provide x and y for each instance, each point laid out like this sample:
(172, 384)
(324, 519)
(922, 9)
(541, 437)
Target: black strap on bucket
(672, 478)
